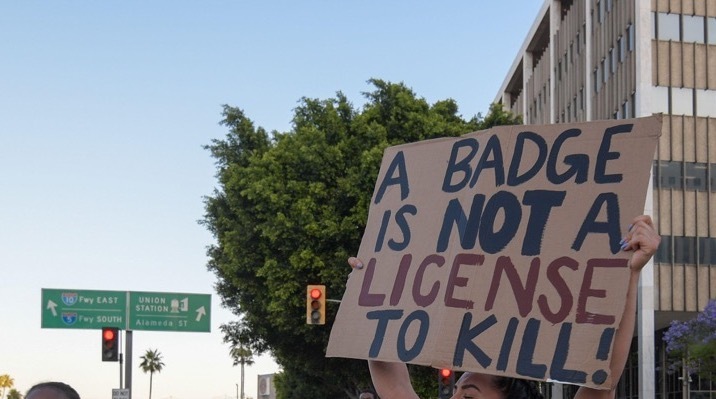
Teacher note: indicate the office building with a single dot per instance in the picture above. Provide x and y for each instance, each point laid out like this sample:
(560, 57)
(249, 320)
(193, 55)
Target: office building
(588, 60)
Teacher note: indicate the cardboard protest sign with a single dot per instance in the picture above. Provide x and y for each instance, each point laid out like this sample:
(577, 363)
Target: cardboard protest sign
(499, 251)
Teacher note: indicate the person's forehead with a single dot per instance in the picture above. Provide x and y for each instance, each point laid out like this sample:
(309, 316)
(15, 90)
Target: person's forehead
(476, 378)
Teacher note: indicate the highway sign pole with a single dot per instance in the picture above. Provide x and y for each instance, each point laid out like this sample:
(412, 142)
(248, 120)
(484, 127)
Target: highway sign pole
(121, 363)
(128, 363)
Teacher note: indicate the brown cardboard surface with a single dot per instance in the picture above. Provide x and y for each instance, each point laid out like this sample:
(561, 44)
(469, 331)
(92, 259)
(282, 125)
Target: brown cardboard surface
(498, 251)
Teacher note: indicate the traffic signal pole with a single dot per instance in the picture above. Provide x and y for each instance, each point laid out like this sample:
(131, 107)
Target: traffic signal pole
(128, 363)
(120, 370)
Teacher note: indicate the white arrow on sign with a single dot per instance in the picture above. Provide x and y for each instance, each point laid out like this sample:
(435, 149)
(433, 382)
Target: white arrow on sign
(200, 312)
(51, 305)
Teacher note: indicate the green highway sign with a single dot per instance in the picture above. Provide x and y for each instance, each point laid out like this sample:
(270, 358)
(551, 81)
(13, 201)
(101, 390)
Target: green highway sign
(87, 309)
(166, 311)
(126, 310)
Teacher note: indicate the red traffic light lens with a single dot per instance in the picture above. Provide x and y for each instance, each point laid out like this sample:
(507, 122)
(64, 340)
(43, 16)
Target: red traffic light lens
(315, 293)
(108, 335)
(445, 373)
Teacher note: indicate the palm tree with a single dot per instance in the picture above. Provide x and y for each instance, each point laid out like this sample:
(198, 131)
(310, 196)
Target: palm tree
(236, 333)
(151, 362)
(14, 394)
(5, 382)
(242, 356)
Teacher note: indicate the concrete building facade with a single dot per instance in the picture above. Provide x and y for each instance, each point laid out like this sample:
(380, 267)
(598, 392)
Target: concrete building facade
(588, 60)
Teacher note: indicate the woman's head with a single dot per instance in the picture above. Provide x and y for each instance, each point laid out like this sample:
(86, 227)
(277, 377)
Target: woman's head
(52, 390)
(484, 386)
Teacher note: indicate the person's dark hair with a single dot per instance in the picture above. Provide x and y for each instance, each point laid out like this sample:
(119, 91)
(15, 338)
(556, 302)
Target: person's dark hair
(59, 387)
(517, 388)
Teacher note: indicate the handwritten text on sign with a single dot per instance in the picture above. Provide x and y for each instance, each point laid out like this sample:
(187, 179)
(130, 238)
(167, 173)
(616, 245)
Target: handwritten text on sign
(499, 251)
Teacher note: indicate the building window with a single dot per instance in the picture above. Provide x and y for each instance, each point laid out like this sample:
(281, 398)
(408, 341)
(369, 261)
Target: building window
(659, 97)
(538, 106)
(584, 33)
(667, 26)
(664, 253)
(622, 48)
(632, 103)
(581, 98)
(693, 27)
(679, 249)
(685, 250)
(605, 70)
(574, 107)
(609, 5)
(559, 70)
(613, 59)
(595, 78)
(625, 109)
(695, 176)
(681, 101)
(577, 41)
(600, 11)
(667, 174)
(630, 36)
(705, 255)
(711, 30)
(705, 103)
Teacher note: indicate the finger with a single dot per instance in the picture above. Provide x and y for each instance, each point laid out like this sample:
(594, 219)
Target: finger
(634, 233)
(355, 263)
(642, 239)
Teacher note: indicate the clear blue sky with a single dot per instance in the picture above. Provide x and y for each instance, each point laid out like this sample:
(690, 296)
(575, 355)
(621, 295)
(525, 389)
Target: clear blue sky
(105, 107)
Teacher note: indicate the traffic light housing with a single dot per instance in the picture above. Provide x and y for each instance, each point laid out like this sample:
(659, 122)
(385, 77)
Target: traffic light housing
(316, 304)
(446, 383)
(110, 344)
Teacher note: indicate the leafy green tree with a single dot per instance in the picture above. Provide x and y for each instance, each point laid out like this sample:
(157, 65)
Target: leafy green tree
(14, 394)
(151, 363)
(498, 116)
(5, 382)
(291, 208)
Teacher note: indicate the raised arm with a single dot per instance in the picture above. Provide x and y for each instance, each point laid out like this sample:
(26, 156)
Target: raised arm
(643, 240)
(391, 380)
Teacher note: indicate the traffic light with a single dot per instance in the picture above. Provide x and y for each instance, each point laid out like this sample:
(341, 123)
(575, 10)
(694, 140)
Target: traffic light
(110, 344)
(446, 383)
(316, 304)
